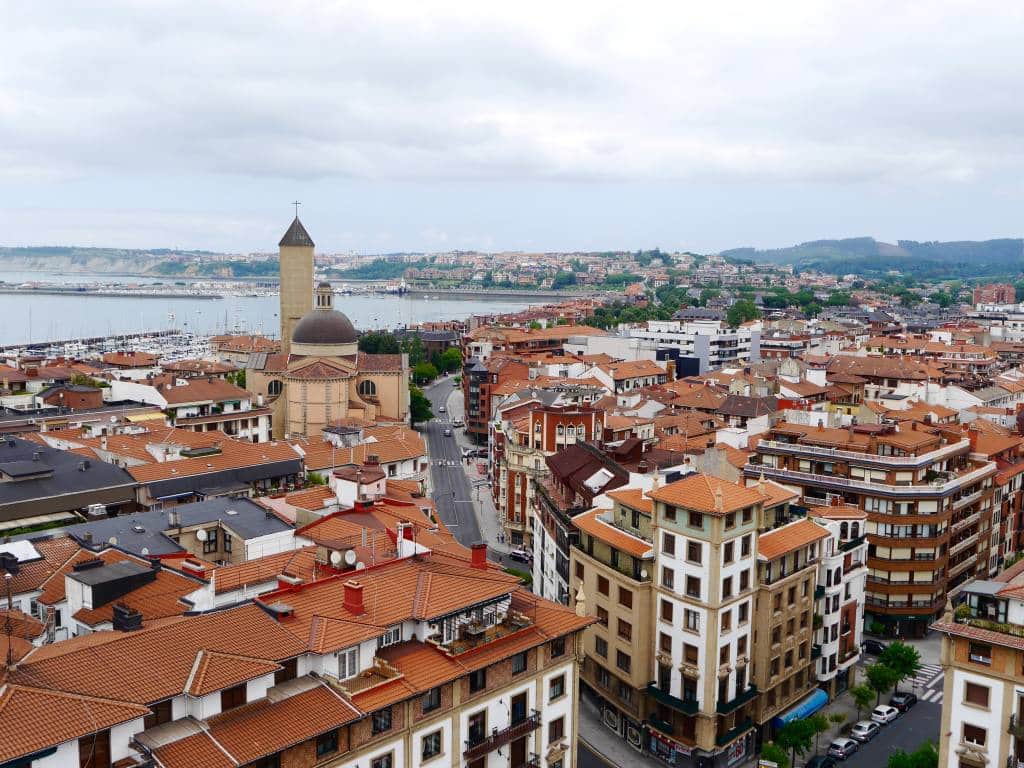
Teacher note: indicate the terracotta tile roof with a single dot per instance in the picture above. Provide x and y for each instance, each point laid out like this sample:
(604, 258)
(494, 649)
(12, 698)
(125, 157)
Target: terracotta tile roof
(298, 563)
(318, 369)
(633, 369)
(214, 671)
(617, 422)
(838, 512)
(388, 443)
(368, 363)
(704, 493)
(54, 553)
(194, 750)
(690, 395)
(165, 596)
(592, 524)
(774, 493)
(983, 635)
(788, 538)
(235, 454)
(384, 694)
(34, 718)
(130, 359)
(22, 625)
(18, 646)
(990, 444)
(201, 390)
(634, 498)
(312, 498)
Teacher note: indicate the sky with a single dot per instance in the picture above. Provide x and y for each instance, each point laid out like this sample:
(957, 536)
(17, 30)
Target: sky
(412, 126)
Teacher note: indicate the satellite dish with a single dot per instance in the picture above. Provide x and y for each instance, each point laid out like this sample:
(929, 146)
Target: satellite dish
(145, 551)
(112, 541)
(336, 558)
(360, 566)
(201, 534)
(350, 557)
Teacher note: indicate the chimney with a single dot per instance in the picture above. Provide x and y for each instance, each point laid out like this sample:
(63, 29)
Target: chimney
(354, 598)
(126, 619)
(479, 551)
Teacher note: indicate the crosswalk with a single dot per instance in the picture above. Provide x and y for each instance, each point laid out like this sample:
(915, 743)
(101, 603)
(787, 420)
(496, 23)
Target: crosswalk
(927, 684)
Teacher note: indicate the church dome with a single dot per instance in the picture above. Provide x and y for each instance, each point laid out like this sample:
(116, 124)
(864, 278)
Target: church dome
(324, 327)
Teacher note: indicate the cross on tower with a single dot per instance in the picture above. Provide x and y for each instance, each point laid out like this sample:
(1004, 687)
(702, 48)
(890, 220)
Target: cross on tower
(296, 204)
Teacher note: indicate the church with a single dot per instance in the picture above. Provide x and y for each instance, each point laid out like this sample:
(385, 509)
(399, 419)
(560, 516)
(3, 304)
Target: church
(320, 376)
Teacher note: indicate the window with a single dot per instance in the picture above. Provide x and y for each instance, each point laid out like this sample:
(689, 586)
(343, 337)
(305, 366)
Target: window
(518, 709)
(625, 693)
(381, 721)
(327, 744)
(623, 661)
(670, 512)
(690, 653)
(384, 761)
(603, 678)
(161, 714)
(777, 602)
(367, 387)
(477, 726)
(974, 735)
(691, 620)
(773, 667)
(723, 655)
(625, 598)
(696, 520)
(748, 514)
(726, 621)
(602, 616)
(665, 642)
(693, 552)
(390, 637)
(227, 542)
(602, 585)
(601, 647)
(692, 586)
(625, 630)
(776, 635)
(431, 745)
(745, 546)
(744, 580)
(666, 611)
(232, 697)
(727, 552)
(289, 671)
(788, 659)
(668, 544)
(980, 653)
(743, 613)
(579, 571)
(274, 388)
(519, 663)
(730, 520)
(556, 688)
(557, 647)
(791, 596)
(556, 730)
(348, 663)
(210, 542)
(741, 646)
(668, 577)
(431, 700)
(727, 588)
(478, 680)
(976, 694)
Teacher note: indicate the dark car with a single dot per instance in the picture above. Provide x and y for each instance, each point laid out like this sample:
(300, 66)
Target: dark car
(874, 647)
(903, 701)
(820, 761)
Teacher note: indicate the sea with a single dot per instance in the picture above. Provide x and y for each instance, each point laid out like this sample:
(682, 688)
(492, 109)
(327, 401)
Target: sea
(33, 319)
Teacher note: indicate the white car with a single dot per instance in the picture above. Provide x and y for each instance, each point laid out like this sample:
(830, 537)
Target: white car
(884, 714)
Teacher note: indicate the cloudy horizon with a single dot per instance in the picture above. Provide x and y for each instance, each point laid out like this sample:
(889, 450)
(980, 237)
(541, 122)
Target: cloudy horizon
(534, 126)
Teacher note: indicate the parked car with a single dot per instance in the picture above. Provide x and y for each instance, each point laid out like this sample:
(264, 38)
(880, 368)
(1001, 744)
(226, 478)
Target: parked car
(874, 647)
(903, 701)
(447, 433)
(821, 761)
(865, 731)
(842, 748)
(884, 714)
(522, 555)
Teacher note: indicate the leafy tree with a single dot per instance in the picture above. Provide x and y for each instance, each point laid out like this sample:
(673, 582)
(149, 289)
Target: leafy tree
(838, 299)
(377, 343)
(535, 325)
(742, 311)
(904, 660)
(837, 718)
(488, 280)
(773, 753)
(315, 478)
(419, 405)
(819, 724)
(451, 360)
(862, 695)
(925, 756)
(413, 346)
(707, 294)
(796, 736)
(813, 309)
(424, 372)
(881, 679)
(563, 280)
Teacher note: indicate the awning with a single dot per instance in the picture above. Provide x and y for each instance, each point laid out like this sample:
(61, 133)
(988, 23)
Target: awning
(805, 708)
(154, 416)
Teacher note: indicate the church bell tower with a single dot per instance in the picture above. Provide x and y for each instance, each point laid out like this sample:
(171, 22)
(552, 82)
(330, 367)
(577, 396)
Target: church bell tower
(296, 267)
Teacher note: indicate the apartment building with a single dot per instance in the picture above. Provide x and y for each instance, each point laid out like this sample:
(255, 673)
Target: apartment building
(479, 378)
(711, 342)
(703, 694)
(983, 663)
(928, 496)
(612, 568)
(428, 659)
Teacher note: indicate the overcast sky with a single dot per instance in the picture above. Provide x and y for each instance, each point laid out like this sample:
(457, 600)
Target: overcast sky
(523, 125)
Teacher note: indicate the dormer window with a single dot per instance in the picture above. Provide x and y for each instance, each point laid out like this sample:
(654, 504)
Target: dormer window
(390, 637)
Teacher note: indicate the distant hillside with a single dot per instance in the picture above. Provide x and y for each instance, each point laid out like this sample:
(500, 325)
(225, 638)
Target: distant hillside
(128, 261)
(867, 256)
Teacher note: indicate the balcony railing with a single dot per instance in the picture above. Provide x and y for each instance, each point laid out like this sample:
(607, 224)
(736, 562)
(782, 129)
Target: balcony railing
(961, 524)
(686, 706)
(485, 744)
(967, 500)
(846, 546)
(725, 707)
(815, 651)
(732, 733)
(816, 451)
(819, 591)
(913, 491)
(661, 725)
(960, 546)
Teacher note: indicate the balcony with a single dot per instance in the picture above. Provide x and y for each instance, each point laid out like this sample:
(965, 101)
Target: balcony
(815, 652)
(846, 546)
(960, 546)
(924, 490)
(661, 725)
(481, 745)
(686, 706)
(725, 707)
(819, 591)
(963, 565)
(967, 500)
(967, 521)
(833, 454)
(732, 733)
(1015, 727)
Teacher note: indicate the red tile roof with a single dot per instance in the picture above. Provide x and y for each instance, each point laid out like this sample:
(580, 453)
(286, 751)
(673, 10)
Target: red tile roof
(705, 493)
(789, 538)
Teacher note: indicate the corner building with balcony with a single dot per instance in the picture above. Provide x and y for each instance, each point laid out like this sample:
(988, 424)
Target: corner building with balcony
(929, 500)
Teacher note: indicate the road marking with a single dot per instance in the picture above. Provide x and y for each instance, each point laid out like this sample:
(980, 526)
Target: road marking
(935, 679)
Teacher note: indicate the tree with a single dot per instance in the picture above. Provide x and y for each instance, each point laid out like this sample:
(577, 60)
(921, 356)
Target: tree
(819, 724)
(838, 299)
(881, 679)
(773, 753)
(414, 347)
(796, 736)
(379, 344)
(451, 360)
(742, 311)
(925, 756)
(237, 378)
(904, 660)
(424, 372)
(419, 405)
(563, 280)
(534, 325)
(862, 695)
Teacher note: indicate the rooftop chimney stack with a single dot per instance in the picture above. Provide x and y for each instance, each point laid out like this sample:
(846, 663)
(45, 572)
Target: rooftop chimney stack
(354, 598)
(479, 552)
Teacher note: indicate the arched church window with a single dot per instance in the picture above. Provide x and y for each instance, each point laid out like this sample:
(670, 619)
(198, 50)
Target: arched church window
(275, 387)
(367, 387)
